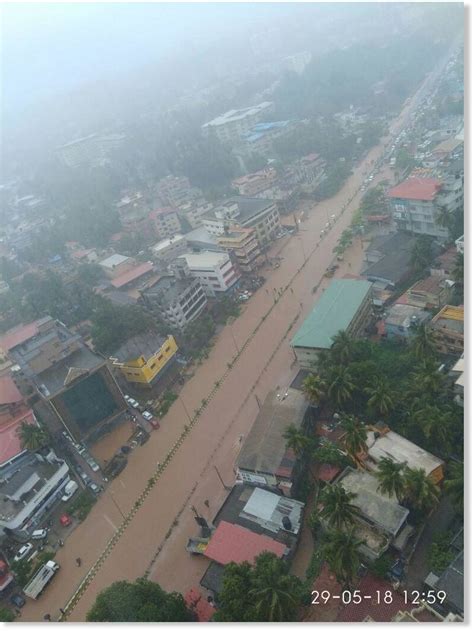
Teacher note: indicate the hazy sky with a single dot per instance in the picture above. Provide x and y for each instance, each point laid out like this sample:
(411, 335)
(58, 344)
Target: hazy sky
(50, 46)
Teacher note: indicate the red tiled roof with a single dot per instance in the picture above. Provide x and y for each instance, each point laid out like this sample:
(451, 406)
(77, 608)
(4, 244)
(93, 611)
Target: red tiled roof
(402, 300)
(132, 274)
(234, 543)
(378, 217)
(9, 393)
(161, 211)
(430, 284)
(327, 472)
(80, 254)
(196, 602)
(10, 444)
(416, 188)
(18, 335)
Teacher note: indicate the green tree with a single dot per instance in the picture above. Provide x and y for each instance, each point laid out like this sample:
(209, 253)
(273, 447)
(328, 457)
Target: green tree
(90, 273)
(454, 485)
(423, 342)
(458, 272)
(381, 400)
(338, 510)
(342, 347)
(419, 491)
(341, 385)
(390, 477)
(355, 436)
(141, 601)
(436, 425)
(6, 615)
(32, 437)
(341, 552)
(262, 592)
(22, 571)
(314, 389)
(421, 254)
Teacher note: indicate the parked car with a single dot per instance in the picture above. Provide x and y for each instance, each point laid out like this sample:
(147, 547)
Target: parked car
(65, 520)
(23, 552)
(69, 490)
(131, 402)
(95, 488)
(17, 600)
(154, 423)
(147, 415)
(84, 477)
(41, 533)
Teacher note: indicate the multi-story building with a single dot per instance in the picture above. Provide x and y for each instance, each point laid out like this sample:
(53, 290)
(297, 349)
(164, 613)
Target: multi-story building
(143, 359)
(214, 270)
(132, 208)
(165, 222)
(178, 301)
(307, 172)
(74, 381)
(346, 305)
(116, 265)
(193, 211)
(31, 484)
(229, 127)
(430, 293)
(167, 250)
(260, 138)
(245, 212)
(13, 413)
(243, 247)
(254, 183)
(176, 190)
(92, 150)
(448, 330)
(417, 203)
(457, 372)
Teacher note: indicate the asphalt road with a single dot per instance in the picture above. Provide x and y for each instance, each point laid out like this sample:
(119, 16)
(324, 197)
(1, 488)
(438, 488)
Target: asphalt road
(154, 539)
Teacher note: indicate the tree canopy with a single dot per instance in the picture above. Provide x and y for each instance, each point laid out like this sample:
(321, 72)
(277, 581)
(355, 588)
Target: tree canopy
(141, 601)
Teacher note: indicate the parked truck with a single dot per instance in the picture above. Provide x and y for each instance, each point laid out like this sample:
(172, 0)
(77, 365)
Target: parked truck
(42, 578)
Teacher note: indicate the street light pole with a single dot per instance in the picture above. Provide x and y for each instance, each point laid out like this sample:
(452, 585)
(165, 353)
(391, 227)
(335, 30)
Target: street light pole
(116, 504)
(184, 407)
(221, 480)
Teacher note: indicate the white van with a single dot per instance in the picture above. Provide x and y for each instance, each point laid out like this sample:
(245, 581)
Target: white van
(69, 490)
(39, 534)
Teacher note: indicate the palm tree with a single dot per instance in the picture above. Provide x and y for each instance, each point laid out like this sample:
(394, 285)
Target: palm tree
(423, 343)
(454, 485)
(338, 511)
(341, 385)
(355, 437)
(342, 553)
(427, 380)
(444, 218)
(390, 477)
(314, 389)
(275, 592)
(419, 491)
(381, 398)
(435, 425)
(297, 440)
(421, 253)
(342, 347)
(32, 437)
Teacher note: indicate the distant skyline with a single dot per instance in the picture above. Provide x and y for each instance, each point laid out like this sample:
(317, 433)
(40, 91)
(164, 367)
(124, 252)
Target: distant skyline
(49, 48)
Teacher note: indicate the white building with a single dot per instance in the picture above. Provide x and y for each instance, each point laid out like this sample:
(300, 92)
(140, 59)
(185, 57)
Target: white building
(460, 244)
(30, 485)
(214, 270)
(167, 250)
(245, 212)
(229, 127)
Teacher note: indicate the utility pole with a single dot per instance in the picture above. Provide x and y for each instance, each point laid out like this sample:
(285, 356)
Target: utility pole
(116, 504)
(258, 401)
(185, 408)
(221, 480)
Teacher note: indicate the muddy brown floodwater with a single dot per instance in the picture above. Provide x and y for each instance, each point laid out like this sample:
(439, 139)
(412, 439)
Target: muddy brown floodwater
(165, 521)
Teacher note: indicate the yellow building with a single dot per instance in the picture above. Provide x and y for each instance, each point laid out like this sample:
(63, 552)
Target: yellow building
(143, 358)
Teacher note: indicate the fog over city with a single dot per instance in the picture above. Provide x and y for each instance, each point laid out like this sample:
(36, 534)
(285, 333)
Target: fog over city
(232, 312)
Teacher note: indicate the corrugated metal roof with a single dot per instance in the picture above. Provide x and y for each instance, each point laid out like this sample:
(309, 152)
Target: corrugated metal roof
(333, 312)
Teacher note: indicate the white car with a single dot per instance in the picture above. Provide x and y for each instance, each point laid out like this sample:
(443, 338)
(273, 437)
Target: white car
(147, 415)
(23, 552)
(131, 402)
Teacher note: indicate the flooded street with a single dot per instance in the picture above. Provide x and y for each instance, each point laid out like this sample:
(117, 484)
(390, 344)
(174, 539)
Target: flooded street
(154, 541)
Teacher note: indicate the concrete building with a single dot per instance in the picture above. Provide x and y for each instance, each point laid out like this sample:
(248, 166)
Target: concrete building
(31, 484)
(134, 277)
(165, 222)
(243, 247)
(245, 212)
(254, 183)
(176, 191)
(443, 265)
(382, 442)
(401, 320)
(116, 264)
(214, 270)
(144, 358)
(460, 244)
(346, 305)
(193, 211)
(92, 150)
(416, 204)
(264, 459)
(167, 250)
(229, 127)
(430, 293)
(178, 301)
(388, 259)
(200, 240)
(259, 139)
(448, 330)
(75, 382)
(13, 413)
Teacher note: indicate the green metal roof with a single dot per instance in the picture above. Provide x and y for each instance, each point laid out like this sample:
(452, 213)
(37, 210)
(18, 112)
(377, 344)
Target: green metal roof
(333, 312)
